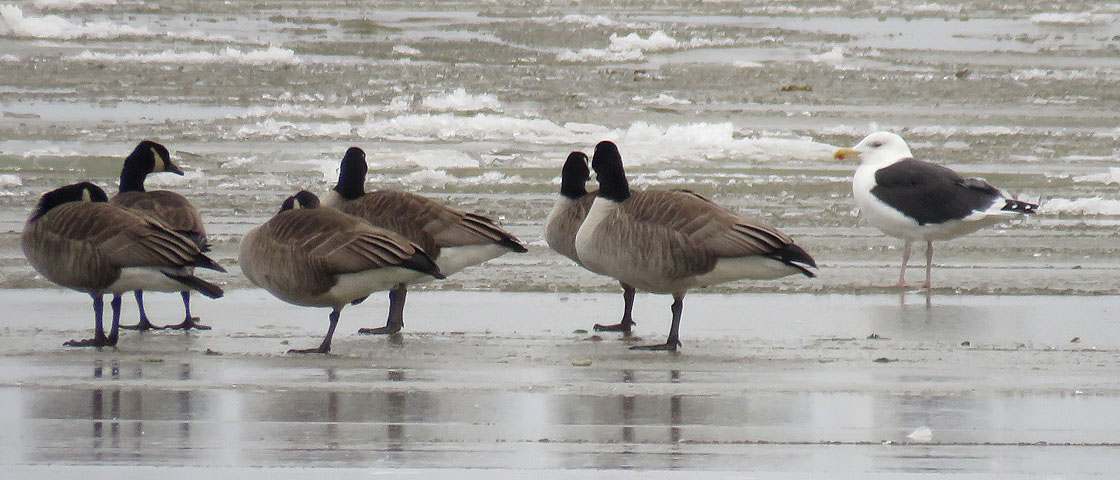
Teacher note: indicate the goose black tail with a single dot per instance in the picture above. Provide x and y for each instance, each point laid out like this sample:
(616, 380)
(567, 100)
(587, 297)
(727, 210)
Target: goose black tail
(796, 257)
(206, 288)
(423, 263)
(1021, 207)
(206, 262)
(513, 243)
(488, 227)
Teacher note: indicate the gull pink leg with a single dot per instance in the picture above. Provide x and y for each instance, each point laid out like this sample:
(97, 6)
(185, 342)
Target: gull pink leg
(929, 264)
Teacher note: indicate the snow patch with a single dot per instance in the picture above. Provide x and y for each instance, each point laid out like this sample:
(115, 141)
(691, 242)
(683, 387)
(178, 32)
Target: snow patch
(272, 55)
(1072, 19)
(1110, 177)
(1081, 206)
(461, 101)
(642, 143)
(587, 20)
(54, 26)
(71, 4)
(831, 57)
(406, 50)
(628, 48)
(662, 100)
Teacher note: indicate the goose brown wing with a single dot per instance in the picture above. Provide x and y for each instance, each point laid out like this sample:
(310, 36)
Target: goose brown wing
(705, 224)
(403, 213)
(339, 243)
(121, 238)
(409, 214)
(170, 208)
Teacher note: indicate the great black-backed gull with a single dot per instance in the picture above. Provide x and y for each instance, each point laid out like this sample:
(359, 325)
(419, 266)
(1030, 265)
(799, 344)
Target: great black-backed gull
(921, 201)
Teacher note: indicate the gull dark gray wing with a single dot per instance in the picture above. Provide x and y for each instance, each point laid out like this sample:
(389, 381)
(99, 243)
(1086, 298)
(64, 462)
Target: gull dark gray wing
(931, 193)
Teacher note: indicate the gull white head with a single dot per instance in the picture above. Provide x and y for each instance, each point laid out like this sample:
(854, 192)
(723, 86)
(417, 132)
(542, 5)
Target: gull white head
(876, 149)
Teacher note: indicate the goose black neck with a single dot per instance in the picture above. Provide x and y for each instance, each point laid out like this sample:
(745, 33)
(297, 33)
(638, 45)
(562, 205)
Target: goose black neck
(608, 168)
(134, 172)
(352, 174)
(574, 177)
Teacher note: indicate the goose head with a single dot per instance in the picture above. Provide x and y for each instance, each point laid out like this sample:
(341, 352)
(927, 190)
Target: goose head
(302, 200)
(607, 163)
(77, 192)
(352, 174)
(574, 177)
(147, 157)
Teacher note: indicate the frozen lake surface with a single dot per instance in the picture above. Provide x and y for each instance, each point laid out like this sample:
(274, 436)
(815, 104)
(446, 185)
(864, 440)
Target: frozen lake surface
(476, 104)
(837, 386)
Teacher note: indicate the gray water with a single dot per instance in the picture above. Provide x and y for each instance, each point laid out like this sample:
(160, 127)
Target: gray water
(477, 104)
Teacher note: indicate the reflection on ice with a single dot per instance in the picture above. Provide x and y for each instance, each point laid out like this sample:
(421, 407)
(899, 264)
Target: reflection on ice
(404, 423)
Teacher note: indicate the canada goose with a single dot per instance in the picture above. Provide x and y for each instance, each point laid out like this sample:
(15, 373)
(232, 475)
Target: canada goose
(171, 208)
(921, 201)
(671, 241)
(319, 257)
(76, 239)
(455, 239)
(564, 220)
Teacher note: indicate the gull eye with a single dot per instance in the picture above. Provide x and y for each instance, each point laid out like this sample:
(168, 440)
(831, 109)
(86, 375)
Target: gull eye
(876, 144)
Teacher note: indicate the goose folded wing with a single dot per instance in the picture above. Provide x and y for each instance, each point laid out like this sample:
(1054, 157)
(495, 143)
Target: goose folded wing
(403, 212)
(137, 241)
(169, 208)
(706, 224)
(360, 250)
(176, 211)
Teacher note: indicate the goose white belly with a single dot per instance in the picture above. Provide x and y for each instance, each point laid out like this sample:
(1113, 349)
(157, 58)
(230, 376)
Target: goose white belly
(454, 259)
(149, 279)
(352, 286)
(753, 267)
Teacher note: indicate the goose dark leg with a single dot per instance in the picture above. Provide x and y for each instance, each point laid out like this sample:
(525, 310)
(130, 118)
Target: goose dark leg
(674, 340)
(324, 347)
(929, 265)
(396, 313)
(627, 323)
(98, 339)
(189, 322)
(114, 330)
(144, 324)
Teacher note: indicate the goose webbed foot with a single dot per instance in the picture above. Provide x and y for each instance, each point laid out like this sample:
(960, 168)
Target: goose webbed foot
(142, 326)
(189, 323)
(625, 327)
(669, 346)
(301, 351)
(389, 329)
(386, 330)
(96, 342)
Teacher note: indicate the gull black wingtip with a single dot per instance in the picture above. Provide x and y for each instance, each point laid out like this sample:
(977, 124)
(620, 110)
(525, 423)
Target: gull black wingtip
(1020, 207)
